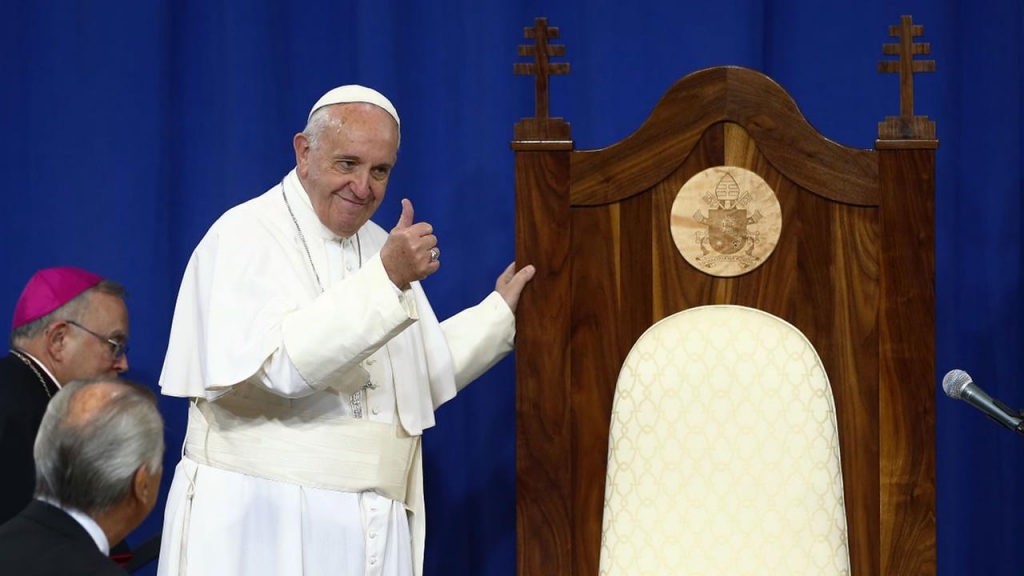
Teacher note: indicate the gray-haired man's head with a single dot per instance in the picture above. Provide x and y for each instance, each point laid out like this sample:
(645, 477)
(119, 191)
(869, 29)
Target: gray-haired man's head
(100, 449)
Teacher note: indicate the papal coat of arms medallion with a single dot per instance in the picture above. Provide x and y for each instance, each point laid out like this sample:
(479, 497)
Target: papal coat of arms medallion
(726, 221)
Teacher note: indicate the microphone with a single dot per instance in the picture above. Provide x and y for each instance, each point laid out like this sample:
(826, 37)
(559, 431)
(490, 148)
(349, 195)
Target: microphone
(957, 384)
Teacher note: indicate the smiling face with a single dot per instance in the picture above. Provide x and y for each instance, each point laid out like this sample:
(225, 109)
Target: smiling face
(343, 161)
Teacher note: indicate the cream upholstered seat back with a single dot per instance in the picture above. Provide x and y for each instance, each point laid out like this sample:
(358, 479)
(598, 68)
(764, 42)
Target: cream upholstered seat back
(723, 452)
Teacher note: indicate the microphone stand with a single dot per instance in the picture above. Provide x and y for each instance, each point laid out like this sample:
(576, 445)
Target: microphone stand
(1019, 428)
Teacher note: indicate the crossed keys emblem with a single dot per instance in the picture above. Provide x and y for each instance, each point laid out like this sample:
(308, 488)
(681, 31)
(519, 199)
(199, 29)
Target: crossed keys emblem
(727, 222)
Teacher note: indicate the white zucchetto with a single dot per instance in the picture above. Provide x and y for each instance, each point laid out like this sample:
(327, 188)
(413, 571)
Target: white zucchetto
(355, 93)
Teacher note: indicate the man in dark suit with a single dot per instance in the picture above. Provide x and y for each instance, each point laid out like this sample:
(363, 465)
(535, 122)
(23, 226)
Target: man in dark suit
(98, 461)
(69, 324)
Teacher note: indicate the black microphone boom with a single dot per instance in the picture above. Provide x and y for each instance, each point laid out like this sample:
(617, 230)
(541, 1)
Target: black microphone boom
(957, 384)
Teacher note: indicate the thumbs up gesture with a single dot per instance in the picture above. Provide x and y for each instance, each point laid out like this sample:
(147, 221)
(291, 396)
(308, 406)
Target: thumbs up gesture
(410, 252)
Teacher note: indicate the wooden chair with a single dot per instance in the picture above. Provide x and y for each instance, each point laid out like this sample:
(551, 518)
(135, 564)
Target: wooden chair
(852, 268)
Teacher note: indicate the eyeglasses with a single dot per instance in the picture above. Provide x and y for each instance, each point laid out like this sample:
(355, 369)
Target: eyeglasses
(117, 349)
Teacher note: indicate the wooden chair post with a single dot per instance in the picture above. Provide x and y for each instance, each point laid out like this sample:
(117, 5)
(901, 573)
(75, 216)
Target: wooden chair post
(543, 478)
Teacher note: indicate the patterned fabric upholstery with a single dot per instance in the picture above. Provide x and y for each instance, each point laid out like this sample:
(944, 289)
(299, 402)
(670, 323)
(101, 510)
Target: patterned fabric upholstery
(723, 452)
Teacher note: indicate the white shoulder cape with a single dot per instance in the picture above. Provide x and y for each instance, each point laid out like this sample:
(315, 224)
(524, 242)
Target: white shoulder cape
(248, 289)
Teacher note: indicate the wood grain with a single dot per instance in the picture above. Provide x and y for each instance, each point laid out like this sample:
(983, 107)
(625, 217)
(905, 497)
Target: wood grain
(544, 435)
(853, 270)
(907, 378)
(738, 95)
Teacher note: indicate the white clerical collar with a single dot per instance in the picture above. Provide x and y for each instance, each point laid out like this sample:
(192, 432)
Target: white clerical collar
(305, 213)
(90, 525)
(43, 366)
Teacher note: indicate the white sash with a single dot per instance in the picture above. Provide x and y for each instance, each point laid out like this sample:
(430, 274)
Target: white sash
(339, 454)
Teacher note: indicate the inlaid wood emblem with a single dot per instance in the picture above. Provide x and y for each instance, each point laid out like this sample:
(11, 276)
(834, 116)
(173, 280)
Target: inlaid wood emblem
(726, 221)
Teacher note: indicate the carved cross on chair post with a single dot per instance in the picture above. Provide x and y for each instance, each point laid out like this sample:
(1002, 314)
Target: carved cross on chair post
(541, 126)
(906, 126)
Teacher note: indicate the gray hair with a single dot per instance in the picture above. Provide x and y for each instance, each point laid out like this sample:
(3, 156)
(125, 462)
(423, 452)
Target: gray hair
(89, 463)
(320, 120)
(72, 310)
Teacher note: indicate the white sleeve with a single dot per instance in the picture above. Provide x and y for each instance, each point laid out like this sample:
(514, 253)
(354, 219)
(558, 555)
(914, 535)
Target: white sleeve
(479, 337)
(280, 376)
(327, 340)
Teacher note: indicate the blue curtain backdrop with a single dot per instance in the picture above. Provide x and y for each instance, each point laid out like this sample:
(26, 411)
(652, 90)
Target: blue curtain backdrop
(127, 128)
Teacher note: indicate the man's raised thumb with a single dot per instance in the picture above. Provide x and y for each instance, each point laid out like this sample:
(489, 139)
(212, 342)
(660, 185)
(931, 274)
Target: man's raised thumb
(405, 220)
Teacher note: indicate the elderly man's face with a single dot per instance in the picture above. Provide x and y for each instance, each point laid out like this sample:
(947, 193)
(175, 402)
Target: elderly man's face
(347, 173)
(89, 355)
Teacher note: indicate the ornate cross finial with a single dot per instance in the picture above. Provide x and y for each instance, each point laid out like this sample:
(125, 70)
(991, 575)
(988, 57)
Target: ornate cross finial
(541, 68)
(906, 126)
(906, 65)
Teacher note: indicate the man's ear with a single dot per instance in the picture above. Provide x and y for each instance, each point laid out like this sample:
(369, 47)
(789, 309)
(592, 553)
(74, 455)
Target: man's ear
(140, 485)
(56, 338)
(301, 145)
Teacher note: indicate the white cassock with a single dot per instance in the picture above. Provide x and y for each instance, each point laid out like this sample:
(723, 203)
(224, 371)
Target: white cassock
(302, 454)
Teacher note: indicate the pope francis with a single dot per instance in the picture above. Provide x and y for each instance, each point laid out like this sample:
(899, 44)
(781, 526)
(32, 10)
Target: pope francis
(314, 362)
